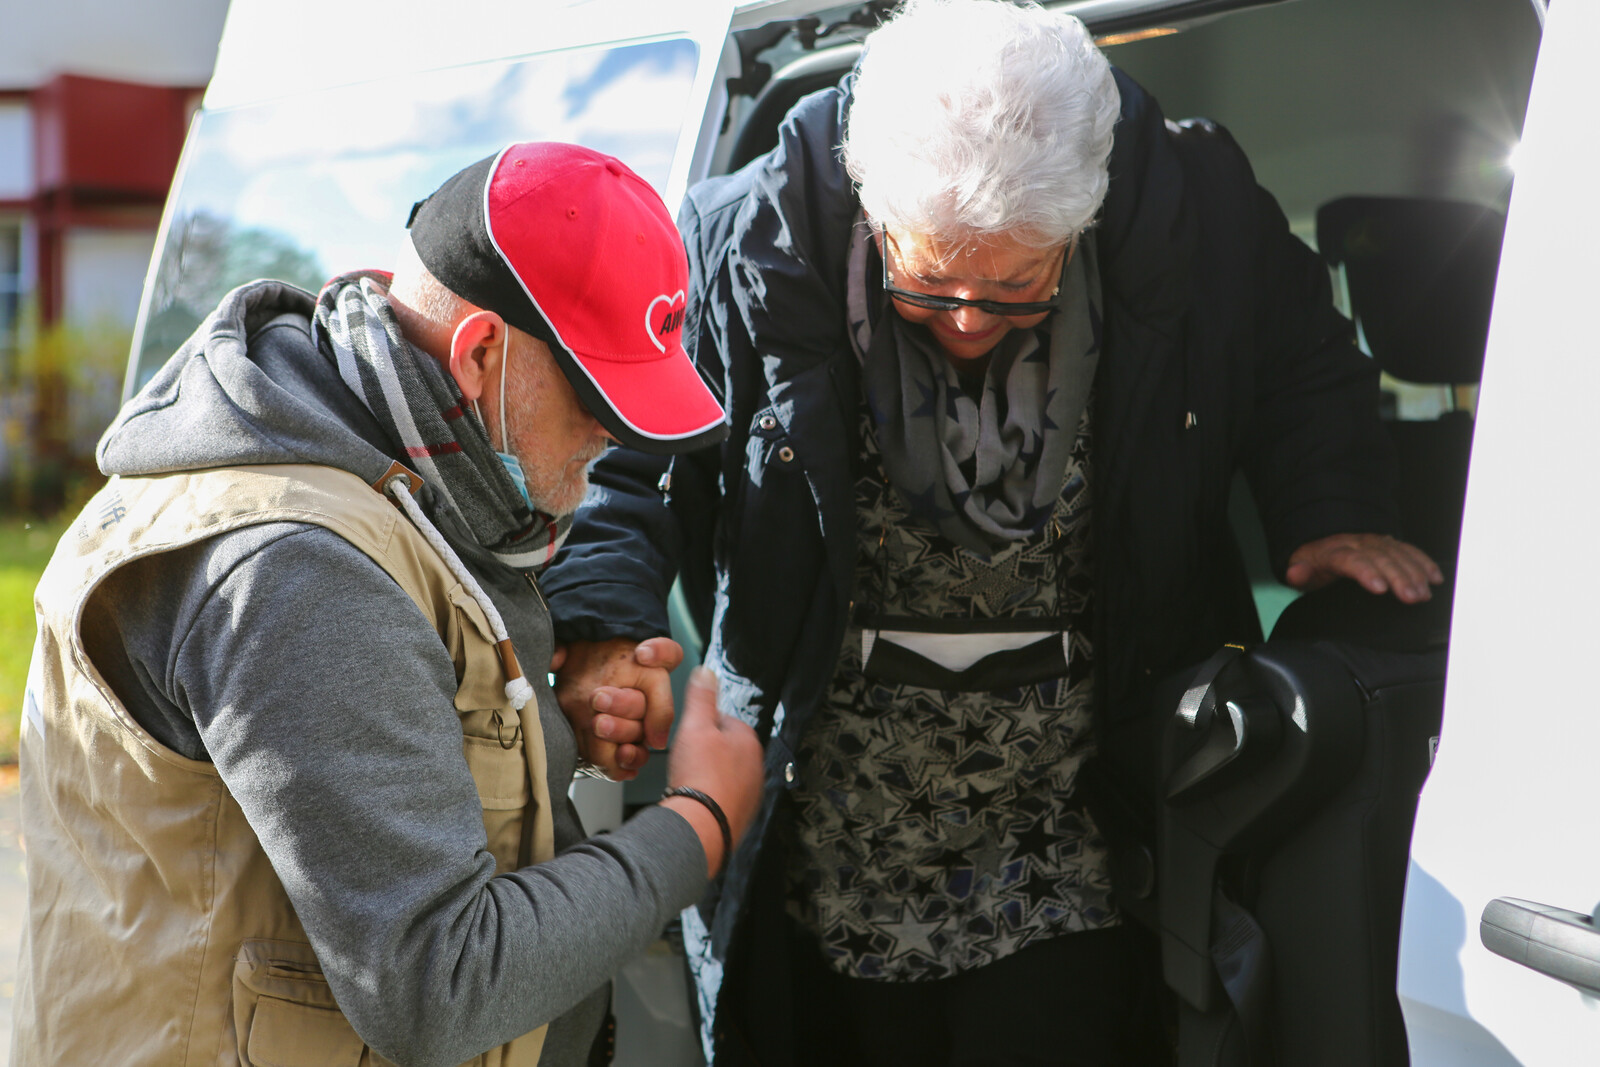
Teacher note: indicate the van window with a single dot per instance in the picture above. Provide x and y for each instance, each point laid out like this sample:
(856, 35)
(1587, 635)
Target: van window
(304, 188)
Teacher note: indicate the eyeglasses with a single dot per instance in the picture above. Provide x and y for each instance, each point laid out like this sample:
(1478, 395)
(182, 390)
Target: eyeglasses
(1012, 308)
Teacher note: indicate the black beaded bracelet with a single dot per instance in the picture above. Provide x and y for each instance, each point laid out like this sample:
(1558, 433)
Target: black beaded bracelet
(716, 811)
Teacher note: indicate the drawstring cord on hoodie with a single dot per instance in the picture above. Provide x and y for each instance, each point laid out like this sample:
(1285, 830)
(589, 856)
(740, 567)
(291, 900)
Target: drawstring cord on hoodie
(518, 691)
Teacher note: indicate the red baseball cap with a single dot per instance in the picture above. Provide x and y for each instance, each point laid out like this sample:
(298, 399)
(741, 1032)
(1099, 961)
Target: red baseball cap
(569, 245)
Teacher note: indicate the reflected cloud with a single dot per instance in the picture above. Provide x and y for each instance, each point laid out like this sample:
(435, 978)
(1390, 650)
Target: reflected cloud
(333, 175)
(653, 63)
(338, 173)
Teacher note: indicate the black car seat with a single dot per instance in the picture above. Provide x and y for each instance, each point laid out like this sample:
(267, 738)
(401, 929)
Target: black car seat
(1260, 818)
(1420, 278)
(819, 70)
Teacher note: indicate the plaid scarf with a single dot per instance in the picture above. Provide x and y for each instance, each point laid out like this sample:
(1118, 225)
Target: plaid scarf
(420, 407)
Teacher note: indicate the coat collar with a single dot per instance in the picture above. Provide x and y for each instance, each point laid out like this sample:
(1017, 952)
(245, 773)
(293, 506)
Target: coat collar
(1147, 236)
(791, 241)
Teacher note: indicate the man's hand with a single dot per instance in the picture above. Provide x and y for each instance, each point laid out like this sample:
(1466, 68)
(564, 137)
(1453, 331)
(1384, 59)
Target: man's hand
(617, 695)
(719, 755)
(1379, 563)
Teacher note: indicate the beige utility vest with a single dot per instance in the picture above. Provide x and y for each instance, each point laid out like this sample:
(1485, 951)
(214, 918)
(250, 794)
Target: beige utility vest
(158, 933)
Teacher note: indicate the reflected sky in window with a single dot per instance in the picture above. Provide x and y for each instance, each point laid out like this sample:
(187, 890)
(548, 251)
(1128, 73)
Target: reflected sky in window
(326, 182)
(338, 174)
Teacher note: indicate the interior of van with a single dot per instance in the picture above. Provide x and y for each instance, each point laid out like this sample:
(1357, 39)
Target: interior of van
(1414, 107)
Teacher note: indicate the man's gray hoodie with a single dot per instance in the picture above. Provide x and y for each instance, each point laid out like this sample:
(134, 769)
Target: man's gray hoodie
(301, 670)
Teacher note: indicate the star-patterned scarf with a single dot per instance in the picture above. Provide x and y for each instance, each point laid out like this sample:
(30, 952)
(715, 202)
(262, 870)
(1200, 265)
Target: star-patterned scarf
(984, 472)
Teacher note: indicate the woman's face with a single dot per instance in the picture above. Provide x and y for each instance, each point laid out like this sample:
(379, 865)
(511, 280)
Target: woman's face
(996, 267)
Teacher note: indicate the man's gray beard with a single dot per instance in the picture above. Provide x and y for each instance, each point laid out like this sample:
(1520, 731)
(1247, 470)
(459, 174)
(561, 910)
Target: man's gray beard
(558, 513)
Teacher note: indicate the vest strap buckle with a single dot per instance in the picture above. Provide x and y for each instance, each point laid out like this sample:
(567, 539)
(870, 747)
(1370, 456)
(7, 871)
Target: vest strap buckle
(399, 470)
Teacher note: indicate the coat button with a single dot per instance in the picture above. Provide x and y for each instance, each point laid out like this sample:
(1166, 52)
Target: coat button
(788, 773)
(786, 454)
(768, 422)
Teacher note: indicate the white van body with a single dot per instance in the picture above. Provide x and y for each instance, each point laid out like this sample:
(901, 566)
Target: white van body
(1505, 811)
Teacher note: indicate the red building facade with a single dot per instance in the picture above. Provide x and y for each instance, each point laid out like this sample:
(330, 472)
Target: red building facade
(103, 155)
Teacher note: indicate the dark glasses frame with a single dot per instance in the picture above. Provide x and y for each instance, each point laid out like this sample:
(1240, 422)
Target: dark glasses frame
(1010, 308)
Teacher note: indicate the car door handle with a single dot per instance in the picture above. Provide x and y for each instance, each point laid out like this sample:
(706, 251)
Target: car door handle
(1562, 944)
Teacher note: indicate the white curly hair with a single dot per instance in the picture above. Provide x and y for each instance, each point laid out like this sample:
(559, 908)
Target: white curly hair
(980, 117)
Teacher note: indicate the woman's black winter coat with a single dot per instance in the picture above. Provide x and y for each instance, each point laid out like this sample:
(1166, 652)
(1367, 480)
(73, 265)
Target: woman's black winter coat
(1221, 351)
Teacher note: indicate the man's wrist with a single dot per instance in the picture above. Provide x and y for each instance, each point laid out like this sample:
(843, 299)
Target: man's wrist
(715, 840)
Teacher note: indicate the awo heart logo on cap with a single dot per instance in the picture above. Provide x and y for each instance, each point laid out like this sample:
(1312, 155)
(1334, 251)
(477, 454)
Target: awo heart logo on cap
(565, 243)
(662, 317)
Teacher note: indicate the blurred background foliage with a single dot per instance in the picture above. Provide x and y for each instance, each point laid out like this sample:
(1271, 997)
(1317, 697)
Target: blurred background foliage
(62, 389)
(25, 547)
(56, 398)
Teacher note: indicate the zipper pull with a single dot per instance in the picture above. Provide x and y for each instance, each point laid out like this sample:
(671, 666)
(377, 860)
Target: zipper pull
(664, 483)
(537, 591)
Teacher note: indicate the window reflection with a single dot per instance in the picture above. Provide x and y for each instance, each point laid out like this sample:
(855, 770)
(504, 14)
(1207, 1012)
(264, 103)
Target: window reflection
(305, 188)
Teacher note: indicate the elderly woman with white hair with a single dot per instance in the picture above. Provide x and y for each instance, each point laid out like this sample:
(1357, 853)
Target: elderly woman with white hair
(994, 338)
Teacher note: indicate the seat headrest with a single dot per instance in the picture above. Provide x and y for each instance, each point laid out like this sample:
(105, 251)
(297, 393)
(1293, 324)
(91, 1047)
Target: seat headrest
(1421, 279)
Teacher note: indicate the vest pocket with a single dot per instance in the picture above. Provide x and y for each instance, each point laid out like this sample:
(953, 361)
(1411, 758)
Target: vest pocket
(501, 775)
(480, 678)
(492, 738)
(284, 1014)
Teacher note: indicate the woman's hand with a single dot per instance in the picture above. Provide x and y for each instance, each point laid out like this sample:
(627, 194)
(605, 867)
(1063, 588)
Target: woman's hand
(617, 695)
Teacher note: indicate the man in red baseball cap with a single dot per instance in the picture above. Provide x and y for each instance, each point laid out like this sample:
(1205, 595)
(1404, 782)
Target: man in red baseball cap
(571, 247)
(291, 747)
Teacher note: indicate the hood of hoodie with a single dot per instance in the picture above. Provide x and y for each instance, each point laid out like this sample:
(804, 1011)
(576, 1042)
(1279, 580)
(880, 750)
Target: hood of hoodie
(248, 387)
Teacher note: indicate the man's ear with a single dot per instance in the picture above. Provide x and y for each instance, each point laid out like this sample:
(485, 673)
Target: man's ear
(476, 348)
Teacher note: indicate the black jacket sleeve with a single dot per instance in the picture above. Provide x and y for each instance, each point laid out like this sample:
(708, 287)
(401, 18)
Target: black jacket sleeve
(646, 518)
(1318, 459)
(1312, 448)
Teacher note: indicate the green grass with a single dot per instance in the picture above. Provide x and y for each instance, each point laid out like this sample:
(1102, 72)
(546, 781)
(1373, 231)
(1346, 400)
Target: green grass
(25, 548)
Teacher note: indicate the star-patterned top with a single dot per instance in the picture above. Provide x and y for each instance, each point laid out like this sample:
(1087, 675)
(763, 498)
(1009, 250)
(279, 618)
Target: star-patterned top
(937, 831)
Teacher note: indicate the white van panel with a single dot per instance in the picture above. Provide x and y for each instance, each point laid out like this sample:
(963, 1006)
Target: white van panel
(1507, 809)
